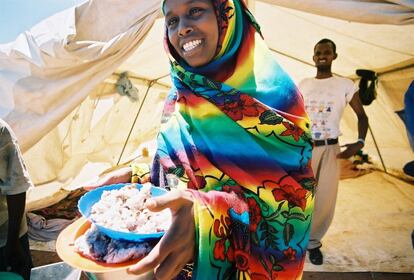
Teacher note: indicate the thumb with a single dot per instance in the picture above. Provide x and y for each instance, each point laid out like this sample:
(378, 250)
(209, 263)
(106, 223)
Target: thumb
(91, 187)
(174, 200)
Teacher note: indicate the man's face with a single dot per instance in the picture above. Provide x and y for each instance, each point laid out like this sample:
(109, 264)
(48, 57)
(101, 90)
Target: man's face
(192, 30)
(323, 56)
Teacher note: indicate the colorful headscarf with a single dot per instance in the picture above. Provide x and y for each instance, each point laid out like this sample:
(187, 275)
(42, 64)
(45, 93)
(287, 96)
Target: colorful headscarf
(235, 132)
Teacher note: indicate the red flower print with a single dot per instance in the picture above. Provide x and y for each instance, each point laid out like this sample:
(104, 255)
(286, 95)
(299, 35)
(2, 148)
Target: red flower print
(290, 254)
(236, 189)
(220, 249)
(232, 110)
(257, 276)
(200, 182)
(218, 229)
(245, 106)
(294, 196)
(250, 106)
(230, 254)
(242, 260)
(255, 214)
(292, 130)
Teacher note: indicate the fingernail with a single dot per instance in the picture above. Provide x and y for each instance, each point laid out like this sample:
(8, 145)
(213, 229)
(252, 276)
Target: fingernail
(150, 203)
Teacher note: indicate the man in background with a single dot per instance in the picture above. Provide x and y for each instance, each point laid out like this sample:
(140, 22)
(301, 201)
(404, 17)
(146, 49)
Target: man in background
(325, 99)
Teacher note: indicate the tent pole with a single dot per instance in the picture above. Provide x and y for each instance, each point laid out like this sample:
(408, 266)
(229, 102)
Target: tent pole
(150, 84)
(378, 151)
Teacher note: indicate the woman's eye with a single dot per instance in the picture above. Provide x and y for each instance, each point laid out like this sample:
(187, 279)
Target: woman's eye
(172, 21)
(195, 11)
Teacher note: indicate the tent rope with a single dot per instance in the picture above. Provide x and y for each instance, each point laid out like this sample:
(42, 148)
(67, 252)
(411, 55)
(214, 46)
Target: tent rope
(150, 84)
(299, 60)
(378, 150)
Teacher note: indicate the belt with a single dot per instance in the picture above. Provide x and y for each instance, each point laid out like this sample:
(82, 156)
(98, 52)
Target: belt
(324, 142)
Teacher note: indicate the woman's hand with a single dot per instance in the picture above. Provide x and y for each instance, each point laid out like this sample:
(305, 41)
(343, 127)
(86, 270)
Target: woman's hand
(176, 248)
(122, 175)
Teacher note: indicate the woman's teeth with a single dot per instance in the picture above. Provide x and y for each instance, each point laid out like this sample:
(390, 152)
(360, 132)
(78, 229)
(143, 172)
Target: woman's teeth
(191, 45)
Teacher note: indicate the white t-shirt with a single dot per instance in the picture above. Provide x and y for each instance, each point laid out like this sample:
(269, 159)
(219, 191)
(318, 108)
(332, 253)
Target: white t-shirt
(325, 101)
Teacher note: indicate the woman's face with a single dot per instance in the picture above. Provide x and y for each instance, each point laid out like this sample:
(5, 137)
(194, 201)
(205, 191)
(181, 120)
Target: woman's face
(192, 30)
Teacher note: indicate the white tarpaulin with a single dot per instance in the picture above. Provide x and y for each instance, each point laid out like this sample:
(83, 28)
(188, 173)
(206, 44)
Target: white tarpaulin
(368, 11)
(52, 68)
(58, 80)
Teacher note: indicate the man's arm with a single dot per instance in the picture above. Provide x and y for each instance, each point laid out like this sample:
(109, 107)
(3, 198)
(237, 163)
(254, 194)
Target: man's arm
(353, 148)
(356, 105)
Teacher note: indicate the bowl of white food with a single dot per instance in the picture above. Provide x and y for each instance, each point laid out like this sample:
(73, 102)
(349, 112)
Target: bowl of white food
(119, 212)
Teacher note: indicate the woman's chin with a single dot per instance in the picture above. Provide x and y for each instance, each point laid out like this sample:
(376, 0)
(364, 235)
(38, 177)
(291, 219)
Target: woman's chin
(196, 62)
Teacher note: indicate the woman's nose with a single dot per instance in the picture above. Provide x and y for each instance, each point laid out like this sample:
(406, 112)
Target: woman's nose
(185, 29)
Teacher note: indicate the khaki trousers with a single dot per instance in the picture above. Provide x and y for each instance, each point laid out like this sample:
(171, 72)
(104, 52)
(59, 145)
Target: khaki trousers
(326, 168)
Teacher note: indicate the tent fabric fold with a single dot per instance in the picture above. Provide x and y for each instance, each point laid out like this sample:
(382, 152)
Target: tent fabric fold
(366, 11)
(52, 68)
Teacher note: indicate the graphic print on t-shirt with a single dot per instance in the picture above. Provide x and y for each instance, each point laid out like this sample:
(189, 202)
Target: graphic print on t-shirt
(320, 113)
(325, 100)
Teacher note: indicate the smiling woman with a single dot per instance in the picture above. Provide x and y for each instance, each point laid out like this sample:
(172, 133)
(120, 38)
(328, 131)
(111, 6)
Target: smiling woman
(192, 30)
(235, 146)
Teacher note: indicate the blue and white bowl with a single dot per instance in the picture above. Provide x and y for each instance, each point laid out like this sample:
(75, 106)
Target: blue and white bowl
(86, 202)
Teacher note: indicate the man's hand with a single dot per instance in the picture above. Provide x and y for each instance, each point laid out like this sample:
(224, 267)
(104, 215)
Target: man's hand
(351, 149)
(176, 248)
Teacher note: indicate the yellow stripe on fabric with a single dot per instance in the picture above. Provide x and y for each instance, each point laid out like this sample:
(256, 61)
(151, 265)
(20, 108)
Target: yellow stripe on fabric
(203, 221)
(204, 110)
(229, 35)
(243, 74)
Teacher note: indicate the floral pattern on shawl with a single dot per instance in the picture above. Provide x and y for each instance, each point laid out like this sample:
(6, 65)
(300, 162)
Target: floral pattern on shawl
(239, 140)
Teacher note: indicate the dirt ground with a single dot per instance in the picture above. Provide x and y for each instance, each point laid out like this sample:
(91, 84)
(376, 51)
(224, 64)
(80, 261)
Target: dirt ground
(42, 258)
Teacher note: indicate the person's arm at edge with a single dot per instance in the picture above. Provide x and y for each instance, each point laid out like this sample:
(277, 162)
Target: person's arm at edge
(15, 206)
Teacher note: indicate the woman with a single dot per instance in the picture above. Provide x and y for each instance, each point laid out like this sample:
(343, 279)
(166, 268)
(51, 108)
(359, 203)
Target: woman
(235, 141)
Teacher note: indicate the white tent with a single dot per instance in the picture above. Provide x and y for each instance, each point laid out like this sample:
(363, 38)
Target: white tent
(58, 80)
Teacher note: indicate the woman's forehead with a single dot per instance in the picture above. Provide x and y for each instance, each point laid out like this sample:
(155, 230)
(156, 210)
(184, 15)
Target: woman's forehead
(168, 4)
(187, 1)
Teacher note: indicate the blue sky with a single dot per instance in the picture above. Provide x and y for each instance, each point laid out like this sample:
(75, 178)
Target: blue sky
(17, 16)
